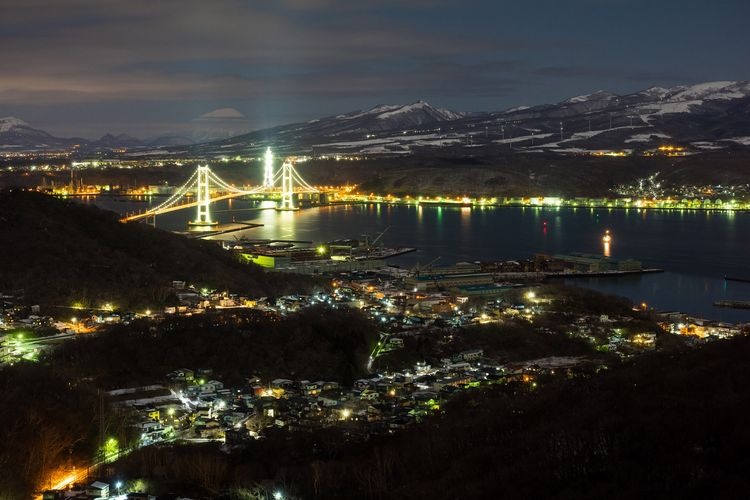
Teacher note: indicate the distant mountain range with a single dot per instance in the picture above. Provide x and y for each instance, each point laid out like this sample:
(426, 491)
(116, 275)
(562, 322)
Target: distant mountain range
(702, 117)
(17, 135)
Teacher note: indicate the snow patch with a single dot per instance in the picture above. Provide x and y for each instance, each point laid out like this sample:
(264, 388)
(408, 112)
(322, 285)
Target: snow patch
(647, 137)
(706, 145)
(517, 108)
(745, 141)
(521, 138)
(668, 107)
(580, 136)
(384, 140)
(599, 94)
(383, 150)
(588, 151)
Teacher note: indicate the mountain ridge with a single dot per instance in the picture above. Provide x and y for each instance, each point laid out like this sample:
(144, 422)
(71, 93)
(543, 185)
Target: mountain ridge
(716, 115)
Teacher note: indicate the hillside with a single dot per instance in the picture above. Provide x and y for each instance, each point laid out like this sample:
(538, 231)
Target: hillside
(669, 425)
(60, 252)
(315, 343)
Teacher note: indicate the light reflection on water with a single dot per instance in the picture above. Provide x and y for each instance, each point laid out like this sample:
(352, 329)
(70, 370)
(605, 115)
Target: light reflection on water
(696, 248)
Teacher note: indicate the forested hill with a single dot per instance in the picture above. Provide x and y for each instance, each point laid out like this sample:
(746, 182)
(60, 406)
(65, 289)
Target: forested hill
(59, 252)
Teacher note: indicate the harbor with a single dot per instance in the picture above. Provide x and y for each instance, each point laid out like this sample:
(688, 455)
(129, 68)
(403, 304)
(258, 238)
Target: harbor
(455, 234)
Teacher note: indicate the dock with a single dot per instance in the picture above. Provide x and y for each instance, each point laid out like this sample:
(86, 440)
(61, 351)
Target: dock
(238, 226)
(733, 304)
(601, 274)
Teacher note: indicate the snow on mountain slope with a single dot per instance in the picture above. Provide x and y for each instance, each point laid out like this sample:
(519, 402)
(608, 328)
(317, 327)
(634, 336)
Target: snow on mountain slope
(420, 106)
(745, 141)
(704, 114)
(522, 138)
(663, 108)
(9, 123)
(654, 92)
(646, 137)
(595, 96)
(713, 90)
(517, 108)
(381, 108)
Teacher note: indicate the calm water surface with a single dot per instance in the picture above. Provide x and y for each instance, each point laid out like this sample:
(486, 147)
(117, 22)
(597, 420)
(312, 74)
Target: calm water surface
(695, 248)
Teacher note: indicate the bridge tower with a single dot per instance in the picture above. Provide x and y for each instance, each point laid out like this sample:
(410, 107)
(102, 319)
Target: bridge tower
(287, 187)
(203, 220)
(268, 170)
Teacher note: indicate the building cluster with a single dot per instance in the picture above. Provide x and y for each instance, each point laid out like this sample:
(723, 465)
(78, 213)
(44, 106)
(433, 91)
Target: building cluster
(402, 304)
(698, 329)
(193, 405)
(691, 196)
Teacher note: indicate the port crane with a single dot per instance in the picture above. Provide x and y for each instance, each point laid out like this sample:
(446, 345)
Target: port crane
(369, 246)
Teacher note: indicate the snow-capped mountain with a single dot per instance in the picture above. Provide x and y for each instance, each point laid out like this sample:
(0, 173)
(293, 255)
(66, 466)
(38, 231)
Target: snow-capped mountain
(380, 120)
(702, 117)
(218, 124)
(16, 134)
(11, 122)
(397, 116)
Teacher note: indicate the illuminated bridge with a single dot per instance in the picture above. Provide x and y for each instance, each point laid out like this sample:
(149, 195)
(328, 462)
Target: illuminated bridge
(207, 187)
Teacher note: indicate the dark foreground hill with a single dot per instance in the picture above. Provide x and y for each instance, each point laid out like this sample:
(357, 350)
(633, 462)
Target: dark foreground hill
(669, 425)
(59, 252)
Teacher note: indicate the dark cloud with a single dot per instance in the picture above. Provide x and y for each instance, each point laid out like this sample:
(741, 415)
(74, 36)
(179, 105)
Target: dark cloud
(268, 58)
(621, 74)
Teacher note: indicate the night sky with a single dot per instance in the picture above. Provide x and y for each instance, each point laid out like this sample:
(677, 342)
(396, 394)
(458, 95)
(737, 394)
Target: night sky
(145, 67)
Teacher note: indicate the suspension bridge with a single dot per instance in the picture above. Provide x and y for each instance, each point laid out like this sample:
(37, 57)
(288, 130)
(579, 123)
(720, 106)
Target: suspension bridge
(204, 187)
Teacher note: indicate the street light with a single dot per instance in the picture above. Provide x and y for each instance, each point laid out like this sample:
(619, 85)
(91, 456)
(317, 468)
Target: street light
(277, 495)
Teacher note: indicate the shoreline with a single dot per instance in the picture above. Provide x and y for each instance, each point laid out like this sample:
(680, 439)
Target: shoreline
(601, 203)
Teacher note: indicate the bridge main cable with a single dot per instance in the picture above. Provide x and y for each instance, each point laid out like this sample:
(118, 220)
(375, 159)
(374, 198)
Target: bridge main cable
(168, 202)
